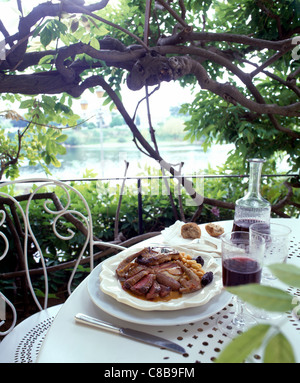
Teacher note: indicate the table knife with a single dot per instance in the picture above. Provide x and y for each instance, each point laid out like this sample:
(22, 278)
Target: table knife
(130, 333)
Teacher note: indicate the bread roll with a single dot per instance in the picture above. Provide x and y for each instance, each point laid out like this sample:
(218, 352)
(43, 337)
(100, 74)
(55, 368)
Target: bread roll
(190, 230)
(214, 229)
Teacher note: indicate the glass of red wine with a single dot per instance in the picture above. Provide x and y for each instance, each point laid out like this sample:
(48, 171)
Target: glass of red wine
(242, 261)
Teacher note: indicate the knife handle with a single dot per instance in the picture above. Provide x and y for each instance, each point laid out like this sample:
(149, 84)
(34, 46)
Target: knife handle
(85, 319)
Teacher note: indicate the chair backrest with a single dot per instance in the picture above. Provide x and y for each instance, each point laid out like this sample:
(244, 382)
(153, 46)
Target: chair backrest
(20, 230)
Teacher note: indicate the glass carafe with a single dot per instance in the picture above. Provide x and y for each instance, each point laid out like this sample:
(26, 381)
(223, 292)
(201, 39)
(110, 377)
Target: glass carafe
(252, 207)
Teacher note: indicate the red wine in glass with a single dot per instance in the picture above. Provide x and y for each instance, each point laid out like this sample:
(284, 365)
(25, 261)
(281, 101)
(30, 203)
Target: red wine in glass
(240, 271)
(244, 224)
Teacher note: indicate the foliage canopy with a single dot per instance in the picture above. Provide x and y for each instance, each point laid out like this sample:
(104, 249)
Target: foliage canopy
(240, 58)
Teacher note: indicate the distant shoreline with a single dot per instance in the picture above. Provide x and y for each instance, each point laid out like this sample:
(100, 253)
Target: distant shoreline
(128, 144)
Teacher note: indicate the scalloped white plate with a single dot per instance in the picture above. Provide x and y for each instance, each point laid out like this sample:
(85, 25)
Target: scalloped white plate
(110, 285)
(152, 318)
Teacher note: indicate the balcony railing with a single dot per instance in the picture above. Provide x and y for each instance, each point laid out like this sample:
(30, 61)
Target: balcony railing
(198, 181)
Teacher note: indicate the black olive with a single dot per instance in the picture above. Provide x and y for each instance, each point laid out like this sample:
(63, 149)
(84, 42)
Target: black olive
(207, 278)
(200, 260)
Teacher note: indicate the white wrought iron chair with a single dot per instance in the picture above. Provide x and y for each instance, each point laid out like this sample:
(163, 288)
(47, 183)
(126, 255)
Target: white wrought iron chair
(22, 342)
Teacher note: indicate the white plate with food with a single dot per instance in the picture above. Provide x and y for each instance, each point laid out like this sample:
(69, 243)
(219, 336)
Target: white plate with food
(129, 276)
(152, 318)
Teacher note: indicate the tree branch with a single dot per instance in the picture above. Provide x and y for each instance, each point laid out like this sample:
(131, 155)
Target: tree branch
(39, 12)
(188, 35)
(13, 159)
(87, 12)
(151, 71)
(147, 147)
(173, 13)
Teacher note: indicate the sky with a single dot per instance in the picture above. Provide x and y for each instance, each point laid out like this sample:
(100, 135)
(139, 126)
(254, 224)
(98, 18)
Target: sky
(169, 95)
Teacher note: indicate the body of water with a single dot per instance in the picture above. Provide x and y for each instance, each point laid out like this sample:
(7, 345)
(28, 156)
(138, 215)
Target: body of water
(109, 161)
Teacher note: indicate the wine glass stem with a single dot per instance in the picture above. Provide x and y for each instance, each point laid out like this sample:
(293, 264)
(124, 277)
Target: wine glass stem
(238, 319)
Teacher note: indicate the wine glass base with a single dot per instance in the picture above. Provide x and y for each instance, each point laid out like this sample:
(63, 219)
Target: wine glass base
(263, 314)
(232, 325)
(268, 279)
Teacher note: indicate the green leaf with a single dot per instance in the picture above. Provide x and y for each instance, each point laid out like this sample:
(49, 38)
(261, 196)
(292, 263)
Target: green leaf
(61, 138)
(265, 297)
(61, 149)
(47, 159)
(243, 345)
(61, 26)
(55, 162)
(101, 31)
(46, 36)
(39, 293)
(74, 25)
(107, 101)
(86, 39)
(50, 147)
(288, 274)
(95, 43)
(26, 104)
(46, 59)
(279, 350)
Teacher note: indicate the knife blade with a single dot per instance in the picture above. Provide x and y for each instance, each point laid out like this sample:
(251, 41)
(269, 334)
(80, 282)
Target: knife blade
(130, 333)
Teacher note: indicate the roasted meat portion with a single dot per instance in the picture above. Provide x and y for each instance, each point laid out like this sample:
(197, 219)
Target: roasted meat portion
(128, 283)
(153, 273)
(193, 283)
(168, 280)
(155, 291)
(152, 257)
(143, 285)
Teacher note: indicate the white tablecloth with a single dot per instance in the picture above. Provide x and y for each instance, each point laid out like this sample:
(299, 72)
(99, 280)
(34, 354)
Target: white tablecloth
(67, 341)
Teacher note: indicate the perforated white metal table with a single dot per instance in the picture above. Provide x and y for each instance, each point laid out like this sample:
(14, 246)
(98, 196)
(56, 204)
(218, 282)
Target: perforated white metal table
(69, 342)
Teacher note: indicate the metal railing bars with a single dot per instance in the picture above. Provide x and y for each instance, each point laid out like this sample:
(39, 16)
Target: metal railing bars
(121, 178)
(138, 180)
(178, 176)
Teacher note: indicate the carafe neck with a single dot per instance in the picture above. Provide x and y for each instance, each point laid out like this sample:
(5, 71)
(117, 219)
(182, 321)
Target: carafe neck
(255, 176)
